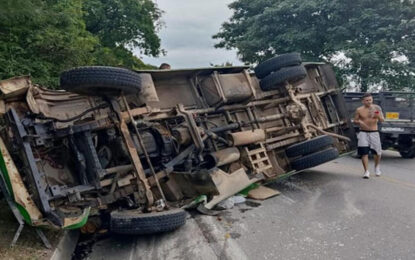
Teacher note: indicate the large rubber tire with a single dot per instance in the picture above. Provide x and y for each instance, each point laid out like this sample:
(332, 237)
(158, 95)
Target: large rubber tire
(315, 159)
(309, 146)
(101, 81)
(275, 80)
(132, 222)
(285, 60)
(409, 154)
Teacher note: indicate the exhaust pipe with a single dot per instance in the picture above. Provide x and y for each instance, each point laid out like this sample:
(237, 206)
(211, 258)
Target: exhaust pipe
(247, 137)
(223, 157)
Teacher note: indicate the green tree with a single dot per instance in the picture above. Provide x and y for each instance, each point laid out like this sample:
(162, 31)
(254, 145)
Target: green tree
(42, 38)
(126, 23)
(118, 57)
(373, 34)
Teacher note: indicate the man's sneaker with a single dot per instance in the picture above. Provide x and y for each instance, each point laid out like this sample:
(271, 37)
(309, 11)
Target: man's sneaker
(377, 171)
(366, 175)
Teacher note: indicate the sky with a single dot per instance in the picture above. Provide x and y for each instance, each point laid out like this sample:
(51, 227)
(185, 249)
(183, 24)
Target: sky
(187, 34)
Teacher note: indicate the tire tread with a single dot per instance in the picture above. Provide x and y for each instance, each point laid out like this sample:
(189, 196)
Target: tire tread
(315, 159)
(276, 80)
(126, 222)
(309, 146)
(284, 60)
(86, 80)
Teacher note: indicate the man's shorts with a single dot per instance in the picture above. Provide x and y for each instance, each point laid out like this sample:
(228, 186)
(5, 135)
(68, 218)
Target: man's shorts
(368, 141)
(365, 150)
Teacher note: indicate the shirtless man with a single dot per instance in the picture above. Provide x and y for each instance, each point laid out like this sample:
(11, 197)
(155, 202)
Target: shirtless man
(367, 117)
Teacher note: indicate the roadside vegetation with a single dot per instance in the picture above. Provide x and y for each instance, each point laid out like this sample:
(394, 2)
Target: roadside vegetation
(370, 42)
(44, 37)
(29, 246)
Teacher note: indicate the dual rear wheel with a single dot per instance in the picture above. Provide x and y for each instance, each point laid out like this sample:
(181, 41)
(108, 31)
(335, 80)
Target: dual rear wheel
(274, 72)
(312, 152)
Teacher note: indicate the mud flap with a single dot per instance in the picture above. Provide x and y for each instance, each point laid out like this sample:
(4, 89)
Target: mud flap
(228, 184)
(77, 222)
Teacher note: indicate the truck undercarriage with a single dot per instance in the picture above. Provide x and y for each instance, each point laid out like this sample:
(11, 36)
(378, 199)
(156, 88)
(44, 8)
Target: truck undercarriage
(138, 146)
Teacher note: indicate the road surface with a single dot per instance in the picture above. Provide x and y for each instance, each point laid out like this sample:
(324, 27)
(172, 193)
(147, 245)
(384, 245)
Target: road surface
(328, 212)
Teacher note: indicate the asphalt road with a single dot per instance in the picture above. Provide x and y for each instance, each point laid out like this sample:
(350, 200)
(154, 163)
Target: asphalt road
(328, 212)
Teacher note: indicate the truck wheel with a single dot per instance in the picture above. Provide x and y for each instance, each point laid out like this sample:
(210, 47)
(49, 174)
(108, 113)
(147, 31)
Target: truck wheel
(133, 222)
(265, 68)
(276, 79)
(408, 154)
(315, 159)
(100, 81)
(309, 146)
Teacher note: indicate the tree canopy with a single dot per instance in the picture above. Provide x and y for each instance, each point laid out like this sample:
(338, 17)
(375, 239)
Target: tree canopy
(124, 22)
(377, 37)
(44, 37)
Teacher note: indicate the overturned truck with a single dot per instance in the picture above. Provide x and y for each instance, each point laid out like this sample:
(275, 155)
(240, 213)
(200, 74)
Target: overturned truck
(133, 148)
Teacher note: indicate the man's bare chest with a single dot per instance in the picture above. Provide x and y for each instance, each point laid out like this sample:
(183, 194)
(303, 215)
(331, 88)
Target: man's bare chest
(364, 114)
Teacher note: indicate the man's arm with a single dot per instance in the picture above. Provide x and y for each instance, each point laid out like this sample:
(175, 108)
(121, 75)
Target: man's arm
(379, 114)
(356, 118)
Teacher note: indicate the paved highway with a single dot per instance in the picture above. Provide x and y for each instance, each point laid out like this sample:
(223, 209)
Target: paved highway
(328, 212)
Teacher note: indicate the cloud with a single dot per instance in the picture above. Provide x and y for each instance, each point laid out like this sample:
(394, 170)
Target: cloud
(187, 35)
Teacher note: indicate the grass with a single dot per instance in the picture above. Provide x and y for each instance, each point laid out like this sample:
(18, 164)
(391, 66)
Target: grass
(29, 245)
